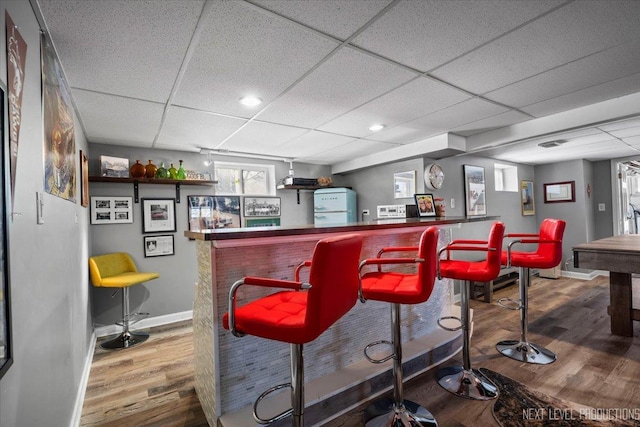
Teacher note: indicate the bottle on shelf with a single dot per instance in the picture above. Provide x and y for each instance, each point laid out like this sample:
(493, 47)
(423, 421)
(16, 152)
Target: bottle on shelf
(181, 172)
(137, 170)
(150, 170)
(173, 172)
(162, 172)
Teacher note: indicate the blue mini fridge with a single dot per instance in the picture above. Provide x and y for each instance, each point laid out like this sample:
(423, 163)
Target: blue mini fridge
(334, 206)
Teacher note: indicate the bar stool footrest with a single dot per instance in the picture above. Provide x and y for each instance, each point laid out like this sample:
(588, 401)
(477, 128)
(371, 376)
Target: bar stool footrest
(510, 304)
(526, 352)
(261, 397)
(385, 413)
(382, 360)
(447, 328)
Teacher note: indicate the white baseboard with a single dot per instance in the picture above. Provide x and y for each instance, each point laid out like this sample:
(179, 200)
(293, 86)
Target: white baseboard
(149, 322)
(84, 380)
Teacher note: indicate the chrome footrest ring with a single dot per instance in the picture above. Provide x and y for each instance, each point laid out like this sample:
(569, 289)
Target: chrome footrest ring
(447, 328)
(261, 397)
(510, 304)
(384, 359)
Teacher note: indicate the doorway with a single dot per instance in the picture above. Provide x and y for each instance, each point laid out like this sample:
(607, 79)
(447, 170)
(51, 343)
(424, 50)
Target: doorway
(628, 221)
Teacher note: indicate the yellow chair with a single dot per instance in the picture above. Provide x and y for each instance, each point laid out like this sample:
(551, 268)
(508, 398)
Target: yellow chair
(117, 270)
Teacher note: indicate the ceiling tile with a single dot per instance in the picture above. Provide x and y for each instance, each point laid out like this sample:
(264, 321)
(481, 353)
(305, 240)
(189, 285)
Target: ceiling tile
(117, 120)
(426, 34)
(348, 79)
(196, 129)
(261, 138)
(618, 62)
(408, 102)
(129, 48)
(337, 18)
(313, 142)
(483, 125)
(574, 31)
(351, 150)
(591, 95)
(243, 51)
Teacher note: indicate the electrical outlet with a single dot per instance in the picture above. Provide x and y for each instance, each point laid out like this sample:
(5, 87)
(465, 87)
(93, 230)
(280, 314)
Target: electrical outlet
(601, 207)
(365, 212)
(453, 203)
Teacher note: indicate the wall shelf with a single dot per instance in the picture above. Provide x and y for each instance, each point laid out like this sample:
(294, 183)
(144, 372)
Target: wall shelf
(299, 187)
(137, 181)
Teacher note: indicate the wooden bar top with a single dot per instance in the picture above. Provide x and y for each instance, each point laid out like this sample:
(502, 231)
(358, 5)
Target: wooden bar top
(620, 244)
(256, 232)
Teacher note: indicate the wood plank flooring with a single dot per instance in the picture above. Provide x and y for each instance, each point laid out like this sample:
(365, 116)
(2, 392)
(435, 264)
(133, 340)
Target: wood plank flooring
(152, 384)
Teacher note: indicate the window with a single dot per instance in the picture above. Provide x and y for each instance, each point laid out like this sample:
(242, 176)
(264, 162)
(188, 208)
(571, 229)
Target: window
(506, 177)
(244, 178)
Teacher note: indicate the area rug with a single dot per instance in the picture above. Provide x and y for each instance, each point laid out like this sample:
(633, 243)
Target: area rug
(517, 405)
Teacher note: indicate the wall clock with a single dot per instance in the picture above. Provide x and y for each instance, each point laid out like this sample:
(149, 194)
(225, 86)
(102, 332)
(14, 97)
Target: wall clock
(433, 176)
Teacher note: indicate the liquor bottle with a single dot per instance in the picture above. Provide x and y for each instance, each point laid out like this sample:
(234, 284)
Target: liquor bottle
(181, 172)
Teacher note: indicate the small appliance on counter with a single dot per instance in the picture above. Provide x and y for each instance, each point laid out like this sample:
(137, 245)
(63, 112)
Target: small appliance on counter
(334, 206)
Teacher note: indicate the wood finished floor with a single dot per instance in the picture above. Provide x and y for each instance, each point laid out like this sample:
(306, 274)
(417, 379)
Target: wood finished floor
(152, 384)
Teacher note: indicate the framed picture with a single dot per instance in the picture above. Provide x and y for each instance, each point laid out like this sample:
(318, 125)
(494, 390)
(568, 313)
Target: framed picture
(425, 204)
(211, 212)
(558, 192)
(526, 198)
(84, 183)
(111, 210)
(114, 166)
(262, 222)
(261, 206)
(158, 245)
(158, 215)
(474, 191)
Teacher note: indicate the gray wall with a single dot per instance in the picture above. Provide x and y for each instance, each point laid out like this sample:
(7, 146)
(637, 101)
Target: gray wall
(49, 276)
(173, 292)
(601, 187)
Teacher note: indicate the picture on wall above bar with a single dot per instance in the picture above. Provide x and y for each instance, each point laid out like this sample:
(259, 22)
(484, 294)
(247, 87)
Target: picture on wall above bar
(558, 192)
(474, 191)
(211, 212)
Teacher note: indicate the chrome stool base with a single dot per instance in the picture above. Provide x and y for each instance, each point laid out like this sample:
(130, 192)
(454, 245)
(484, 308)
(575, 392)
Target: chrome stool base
(385, 413)
(526, 352)
(125, 340)
(470, 383)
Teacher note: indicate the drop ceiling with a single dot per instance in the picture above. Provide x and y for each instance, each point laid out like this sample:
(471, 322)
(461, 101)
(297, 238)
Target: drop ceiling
(168, 74)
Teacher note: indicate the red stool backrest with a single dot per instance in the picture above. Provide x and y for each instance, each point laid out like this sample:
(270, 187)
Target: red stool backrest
(334, 280)
(550, 254)
(492, 263)
(427, 269)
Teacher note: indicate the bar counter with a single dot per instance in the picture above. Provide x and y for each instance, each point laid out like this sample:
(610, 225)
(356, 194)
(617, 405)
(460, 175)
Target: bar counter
(231, 372)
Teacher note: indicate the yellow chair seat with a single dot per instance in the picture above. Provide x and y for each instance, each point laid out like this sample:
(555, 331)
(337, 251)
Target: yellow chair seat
(116, 270)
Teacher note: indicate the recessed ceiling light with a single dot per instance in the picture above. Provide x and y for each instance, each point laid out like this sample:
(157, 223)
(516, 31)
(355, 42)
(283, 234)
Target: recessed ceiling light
(250, 101)
(376, 128)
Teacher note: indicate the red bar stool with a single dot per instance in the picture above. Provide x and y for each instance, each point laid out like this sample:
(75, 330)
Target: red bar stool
(399, 288)
(302, 313)
(464, 381)
(547, 255)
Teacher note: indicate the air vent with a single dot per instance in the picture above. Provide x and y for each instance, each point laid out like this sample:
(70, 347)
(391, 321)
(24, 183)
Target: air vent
(550, 144)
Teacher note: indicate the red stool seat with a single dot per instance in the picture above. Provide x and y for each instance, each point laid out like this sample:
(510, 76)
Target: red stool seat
(462, 380)
(399, 288)
(303, 312)
(547, 254)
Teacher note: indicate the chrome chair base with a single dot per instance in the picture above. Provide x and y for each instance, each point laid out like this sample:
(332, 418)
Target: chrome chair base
(385, 413)
(471, 383)
(526, 352)
(125, 340)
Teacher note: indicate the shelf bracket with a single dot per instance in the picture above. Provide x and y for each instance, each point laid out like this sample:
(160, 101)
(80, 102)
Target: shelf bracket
(177, 193)
(298, 195)
(135, 192)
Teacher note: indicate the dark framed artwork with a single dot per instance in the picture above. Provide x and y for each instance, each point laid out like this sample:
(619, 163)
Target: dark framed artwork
(560, 192)
(6, 350)
(158, 215)
(261, 206)
(158, 245)
(425, 204)
(111, 210)
(474, 191)
(84, 184)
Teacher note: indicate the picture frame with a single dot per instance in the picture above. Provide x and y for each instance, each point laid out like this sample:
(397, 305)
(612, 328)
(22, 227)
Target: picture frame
(404, 184)
(111, 210)
(116, 167)
(210, 212)
(158, 215)
(474, 191)
(161, 245)
(527, 198)
(84, 183)
(425, 205)
(261, 206)
(262, 222)
(560, 192)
